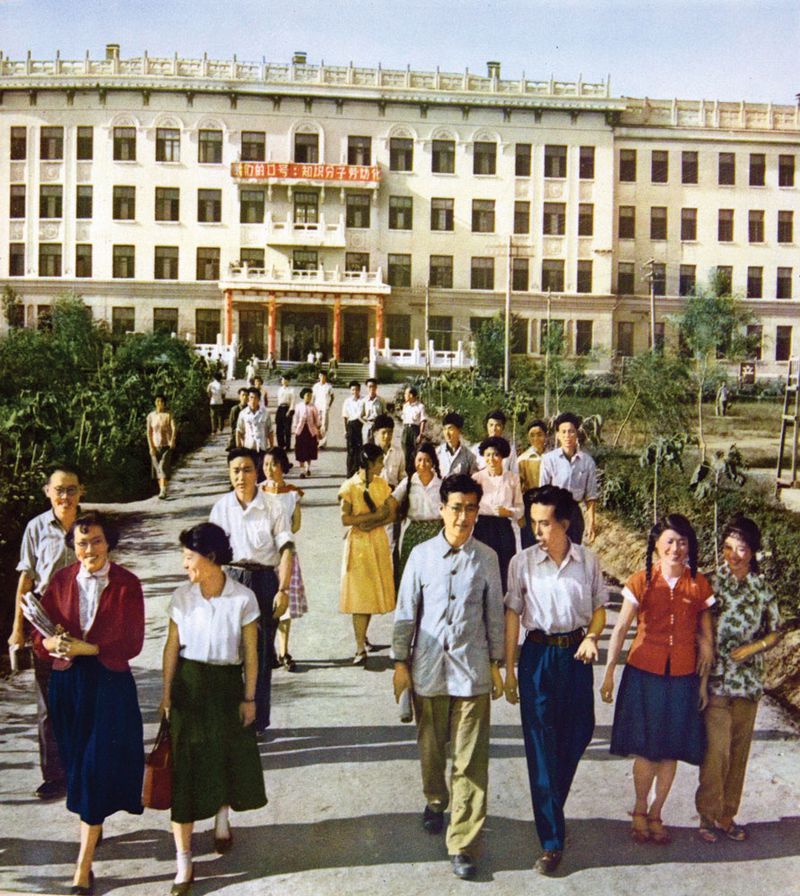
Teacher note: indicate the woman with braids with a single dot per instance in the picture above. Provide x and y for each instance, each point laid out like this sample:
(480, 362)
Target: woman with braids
(418, 504)
(657, 717)
(367, 584)
(746, 619)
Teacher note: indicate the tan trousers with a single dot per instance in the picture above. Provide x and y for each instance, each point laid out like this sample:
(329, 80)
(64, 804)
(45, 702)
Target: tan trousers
(463, 723)
(729, 730)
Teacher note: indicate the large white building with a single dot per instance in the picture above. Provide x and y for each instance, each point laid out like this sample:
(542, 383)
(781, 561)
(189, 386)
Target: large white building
(305, 206)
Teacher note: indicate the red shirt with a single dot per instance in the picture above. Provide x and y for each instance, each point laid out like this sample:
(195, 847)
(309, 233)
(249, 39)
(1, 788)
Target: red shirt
(118, 627)
(667, 622)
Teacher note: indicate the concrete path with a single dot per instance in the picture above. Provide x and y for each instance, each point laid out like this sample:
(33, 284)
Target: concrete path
(342, 774)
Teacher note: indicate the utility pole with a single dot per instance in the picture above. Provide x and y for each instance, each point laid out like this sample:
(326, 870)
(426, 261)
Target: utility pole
(427, 329)
(548, 336)
(507, 339)
(649, 266)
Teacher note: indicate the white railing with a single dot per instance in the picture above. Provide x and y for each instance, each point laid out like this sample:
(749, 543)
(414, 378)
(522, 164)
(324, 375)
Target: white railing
(241, 274)
(289, 232)
(459, 359)
(218, 353)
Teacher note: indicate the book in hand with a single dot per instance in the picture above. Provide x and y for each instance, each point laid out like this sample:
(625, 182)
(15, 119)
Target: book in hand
(34, 612)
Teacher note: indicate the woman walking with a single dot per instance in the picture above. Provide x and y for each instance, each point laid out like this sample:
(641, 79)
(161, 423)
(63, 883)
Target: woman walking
(306, 431)
(418, 504)
(161, 435)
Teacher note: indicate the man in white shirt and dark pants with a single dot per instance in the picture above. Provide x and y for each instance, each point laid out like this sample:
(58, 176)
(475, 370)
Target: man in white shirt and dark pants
(254, 429)
(284, 413)
(353, 417)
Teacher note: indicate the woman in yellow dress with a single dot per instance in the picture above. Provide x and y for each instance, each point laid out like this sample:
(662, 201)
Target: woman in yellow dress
(367, 582)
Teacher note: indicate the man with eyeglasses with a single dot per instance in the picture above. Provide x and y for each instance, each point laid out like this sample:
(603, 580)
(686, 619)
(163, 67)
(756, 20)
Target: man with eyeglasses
(448, 644)
(43, 552)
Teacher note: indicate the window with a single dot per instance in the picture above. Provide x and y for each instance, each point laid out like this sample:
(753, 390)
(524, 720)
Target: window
(627, 165)
(625, 338)
(552, 275)
(357, 210)
(658, 222)
(627, 222)
(399, 270)
(207, 263)
(783, 286)
(758, 167)
(251, 206)
(726, 175)
(209, 147)
(586, 163)
(85, 144)
(555, 161)
(166, 263)
(520, 274)
(585, 219)
(49, 259)
(483, 215)
(207, 324)
(785, 171)
(584, 278)
(441, 214)
(19, 144)
(122, 321)
(209, 206)
(168, 203)
(688, 167)
(583, 337)
(398, 330)
(484, 158)
(168, 145)
(16, 201)
(306, 207)
(83, 260)
(401, 154)
(51, 144)
(723, 279)
(786, 227)
(687, 279)
(440, 331)
(755, 337)
(755, 226)
(522, 160)
(254, 146)
(441, 271)
(755, 282)
(481, 273)
(124, 204)
(554, 219)
(443, 159)
(124, 144)
(625, 278)
(659, 166)
(16, 259)
(522, 217)
(689, 224)
(123, 262)
(725, 225)
(253, 258)
(783, 343)
(306, 148)
(356, 262)
(165, 320)
(400, 212)
(359, 150)
(51, 201)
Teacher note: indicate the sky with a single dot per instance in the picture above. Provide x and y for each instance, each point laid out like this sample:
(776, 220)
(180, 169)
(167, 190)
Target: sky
(691, 49)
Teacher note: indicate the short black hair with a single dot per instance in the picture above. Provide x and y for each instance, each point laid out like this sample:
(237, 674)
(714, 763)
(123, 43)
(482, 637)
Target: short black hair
(354, 383)
(560, 499)
(499, 444)
(369, 380)
(496, 414)
(210, 540)
(413, 390)
(382, 421)
(244, 389)
(254, 390)
(161, 396)
(540, 423)
(235, 453)
(306, 391)
(94, 518)
(279, 454)
(60, 466)
(567, 417)
(459, 483)
(453, 419)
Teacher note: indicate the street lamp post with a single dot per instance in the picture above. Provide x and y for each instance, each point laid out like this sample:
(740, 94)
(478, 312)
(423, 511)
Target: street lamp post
(507, 337)
(650, 266)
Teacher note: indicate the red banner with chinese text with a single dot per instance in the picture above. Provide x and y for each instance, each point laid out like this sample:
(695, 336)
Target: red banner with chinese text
(305, 171)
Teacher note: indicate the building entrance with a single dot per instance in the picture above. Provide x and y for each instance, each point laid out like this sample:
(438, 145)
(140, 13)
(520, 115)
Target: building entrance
(303, 332)
(355, 339)
(252, 332)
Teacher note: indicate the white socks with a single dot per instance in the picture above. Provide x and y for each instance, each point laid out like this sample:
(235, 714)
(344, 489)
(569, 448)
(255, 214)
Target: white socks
(222, 827)
(184, 867)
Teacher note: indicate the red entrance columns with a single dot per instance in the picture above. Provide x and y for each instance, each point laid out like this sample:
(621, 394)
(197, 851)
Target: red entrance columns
(379, 324)
(228, 316)
(337, 327)
(271, 326)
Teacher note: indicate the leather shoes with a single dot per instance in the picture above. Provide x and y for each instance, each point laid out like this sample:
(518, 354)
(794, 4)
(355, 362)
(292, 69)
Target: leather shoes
(548, 861)
(183, 889)
(223, 844)
(51, 790)
(78, 890)
(432, 821)
(463, 866)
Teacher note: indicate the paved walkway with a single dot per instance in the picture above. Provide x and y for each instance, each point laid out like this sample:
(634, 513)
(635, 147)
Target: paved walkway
(342, 774)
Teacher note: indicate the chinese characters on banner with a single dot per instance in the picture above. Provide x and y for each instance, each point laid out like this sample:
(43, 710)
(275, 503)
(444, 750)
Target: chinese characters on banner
(304, 171)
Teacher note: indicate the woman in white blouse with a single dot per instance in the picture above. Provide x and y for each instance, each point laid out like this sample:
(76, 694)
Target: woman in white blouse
(501, 503)
(418, 504)
(209, 683)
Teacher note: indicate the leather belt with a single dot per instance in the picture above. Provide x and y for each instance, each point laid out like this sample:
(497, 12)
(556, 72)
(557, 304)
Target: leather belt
(568, 639)
(250, 566)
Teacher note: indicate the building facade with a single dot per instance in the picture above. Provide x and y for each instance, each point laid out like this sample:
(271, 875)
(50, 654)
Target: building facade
(308, 207)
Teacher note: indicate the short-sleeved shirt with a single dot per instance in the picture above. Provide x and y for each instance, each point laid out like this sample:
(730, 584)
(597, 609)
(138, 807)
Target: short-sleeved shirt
(215, 392)
(255, 427)
(499, 491)
(210, 629)
(394, 465)
(322, 394)
(44, 550)
(530, 463)
(257, 532)
(423, 500)
(353, 408)
(451, 463)
(577, 473)
(413, 414)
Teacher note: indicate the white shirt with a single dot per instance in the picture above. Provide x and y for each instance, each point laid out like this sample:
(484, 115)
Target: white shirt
(258, 532)
(286, 396)
(210, 629)
(555, 599)
(413, 414)
(215, 391)
(423, 500)
(462, 460)
(90, 586)
(373, 407)
(394, 466)
(322, 394)
(353, 409)
(255, 427)
(499, 491)
(510, 463)
(578, 473)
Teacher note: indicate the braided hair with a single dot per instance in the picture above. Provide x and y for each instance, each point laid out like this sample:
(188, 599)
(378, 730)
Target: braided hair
(678, 523)
(368, 455)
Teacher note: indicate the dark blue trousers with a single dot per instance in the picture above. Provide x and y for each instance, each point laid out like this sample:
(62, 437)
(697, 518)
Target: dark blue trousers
(557, 709)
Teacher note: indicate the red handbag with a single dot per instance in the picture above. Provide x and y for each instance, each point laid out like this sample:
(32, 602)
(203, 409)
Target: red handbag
(157, 789)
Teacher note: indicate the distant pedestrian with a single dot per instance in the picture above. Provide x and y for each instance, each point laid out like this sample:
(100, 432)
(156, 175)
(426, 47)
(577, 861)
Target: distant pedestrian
(306, 432)
(323, 399)
(414, 420)
(216, 402)
(254, 428)
(455, 457)
(233, 417)
(161, 436)
(374, 406)
(251, 370)
(722, 400)
(284, 413)
(353, 419)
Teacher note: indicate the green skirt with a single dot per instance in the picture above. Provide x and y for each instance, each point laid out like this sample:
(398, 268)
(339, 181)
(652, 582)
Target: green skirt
(415, 533)
(215, 759)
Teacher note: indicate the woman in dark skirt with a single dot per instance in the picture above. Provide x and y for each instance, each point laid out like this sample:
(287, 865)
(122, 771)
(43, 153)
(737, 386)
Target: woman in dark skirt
(99, 607)
(657, 717)
(306, 431)
(501, 503)
(210, 671)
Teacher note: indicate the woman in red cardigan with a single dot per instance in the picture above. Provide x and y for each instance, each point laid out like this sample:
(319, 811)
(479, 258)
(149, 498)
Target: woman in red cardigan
(99, 607)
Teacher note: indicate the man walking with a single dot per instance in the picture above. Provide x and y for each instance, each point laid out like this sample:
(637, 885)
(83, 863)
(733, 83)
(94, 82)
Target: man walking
(353, 417)
(448, 643)
(254, 428)
(374, 406)
(284, 413)
(322, 397)
(216, 403)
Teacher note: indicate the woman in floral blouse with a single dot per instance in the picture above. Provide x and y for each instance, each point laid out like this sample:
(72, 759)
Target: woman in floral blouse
(746, 618)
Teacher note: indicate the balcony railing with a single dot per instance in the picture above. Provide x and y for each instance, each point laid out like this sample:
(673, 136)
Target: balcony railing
(319, 279)
(288, 232)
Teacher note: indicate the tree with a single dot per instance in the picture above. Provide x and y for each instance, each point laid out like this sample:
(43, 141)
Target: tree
(710, 476)
(490, 345)
(13, 309)
(654, 388)
(660, 452)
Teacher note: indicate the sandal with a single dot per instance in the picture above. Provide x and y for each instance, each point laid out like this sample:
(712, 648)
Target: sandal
(706, 831)
(658, 833)
(640, 833)
(288, 663)
(733, 831)
(360, 659)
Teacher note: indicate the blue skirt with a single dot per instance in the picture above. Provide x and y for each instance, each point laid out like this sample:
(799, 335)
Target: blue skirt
(98, 728)
(656, 717)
